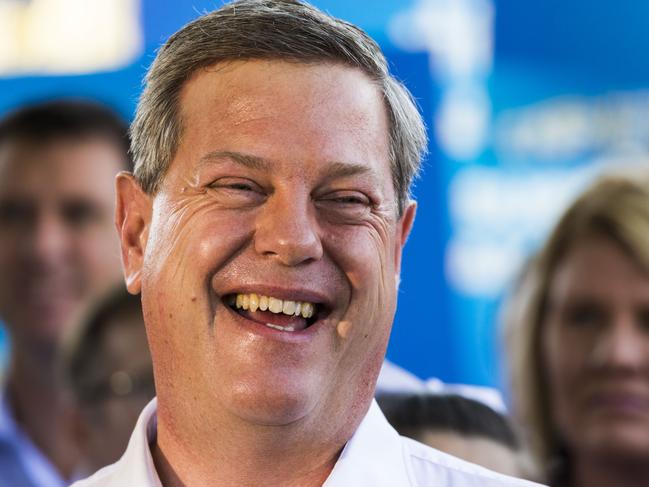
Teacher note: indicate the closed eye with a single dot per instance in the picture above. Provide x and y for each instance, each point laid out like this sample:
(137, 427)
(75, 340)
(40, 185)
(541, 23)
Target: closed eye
(237, 192)
(345, 206)
(238, 184)
(347, 198)
(351, 200)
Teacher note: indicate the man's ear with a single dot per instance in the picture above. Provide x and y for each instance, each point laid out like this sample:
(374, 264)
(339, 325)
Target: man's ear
(132, 219)
(404, 226)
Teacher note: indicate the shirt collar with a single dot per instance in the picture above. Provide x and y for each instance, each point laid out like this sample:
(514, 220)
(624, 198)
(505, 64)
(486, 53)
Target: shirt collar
(136, 466)
(373, 455)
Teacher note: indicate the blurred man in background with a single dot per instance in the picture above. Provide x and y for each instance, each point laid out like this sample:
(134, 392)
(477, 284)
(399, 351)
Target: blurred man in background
(58, 250)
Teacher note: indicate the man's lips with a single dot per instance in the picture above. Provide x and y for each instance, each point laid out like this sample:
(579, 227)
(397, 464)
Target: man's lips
(280, 313)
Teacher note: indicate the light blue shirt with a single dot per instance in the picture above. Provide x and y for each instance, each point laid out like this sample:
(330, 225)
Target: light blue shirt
(375, 456)
(21, 463)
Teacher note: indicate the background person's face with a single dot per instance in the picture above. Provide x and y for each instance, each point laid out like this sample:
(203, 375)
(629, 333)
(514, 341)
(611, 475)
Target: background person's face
(58, 247)
(281, 187)
(596, 350)
(106, 424)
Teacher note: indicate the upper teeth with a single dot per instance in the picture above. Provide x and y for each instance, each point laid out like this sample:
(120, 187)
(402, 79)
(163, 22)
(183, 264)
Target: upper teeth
(253, 302)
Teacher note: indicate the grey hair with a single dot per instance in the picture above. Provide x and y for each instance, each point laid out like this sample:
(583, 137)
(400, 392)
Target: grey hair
(267, 29)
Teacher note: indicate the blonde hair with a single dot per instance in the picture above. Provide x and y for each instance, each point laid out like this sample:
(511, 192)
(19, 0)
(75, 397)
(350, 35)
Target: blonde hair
(616, 206)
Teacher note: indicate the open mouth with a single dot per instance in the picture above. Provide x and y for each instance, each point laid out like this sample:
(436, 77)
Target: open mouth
(279, 314)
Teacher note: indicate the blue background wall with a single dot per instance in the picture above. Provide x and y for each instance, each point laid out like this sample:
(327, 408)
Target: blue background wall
(543, 51)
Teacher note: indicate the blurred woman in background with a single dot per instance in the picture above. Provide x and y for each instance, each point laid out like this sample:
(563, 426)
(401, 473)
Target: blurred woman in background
(578, 331)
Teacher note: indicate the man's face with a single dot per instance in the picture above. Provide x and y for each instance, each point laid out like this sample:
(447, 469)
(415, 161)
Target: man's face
(280, 193)
(57, 243)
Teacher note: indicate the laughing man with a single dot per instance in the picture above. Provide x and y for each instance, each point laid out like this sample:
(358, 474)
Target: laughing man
(263, 227)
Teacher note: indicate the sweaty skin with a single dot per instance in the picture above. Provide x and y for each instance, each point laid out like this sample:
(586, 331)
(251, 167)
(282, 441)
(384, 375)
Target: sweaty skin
(282, 187)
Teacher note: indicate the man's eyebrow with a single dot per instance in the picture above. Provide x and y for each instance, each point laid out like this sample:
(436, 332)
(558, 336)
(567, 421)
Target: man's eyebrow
(335, 169)
(343, 169)
(252, 162)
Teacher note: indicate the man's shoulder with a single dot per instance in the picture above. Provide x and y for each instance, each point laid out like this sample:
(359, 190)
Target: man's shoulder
(425, 463)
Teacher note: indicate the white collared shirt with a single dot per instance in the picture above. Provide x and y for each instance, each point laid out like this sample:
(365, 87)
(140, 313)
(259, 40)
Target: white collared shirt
(375, 456)
(29, 467)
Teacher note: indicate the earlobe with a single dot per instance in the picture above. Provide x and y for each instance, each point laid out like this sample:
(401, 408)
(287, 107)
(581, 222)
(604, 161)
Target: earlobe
(132, 219)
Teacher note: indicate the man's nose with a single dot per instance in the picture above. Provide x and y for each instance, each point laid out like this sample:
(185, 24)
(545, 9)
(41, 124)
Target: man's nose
(287, 230)
(622, 345)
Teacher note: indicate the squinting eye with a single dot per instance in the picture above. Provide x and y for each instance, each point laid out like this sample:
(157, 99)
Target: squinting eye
(237, 192)
(344, 206)
(351, 200)
(240, 186)
(235, 184)
(347, 198)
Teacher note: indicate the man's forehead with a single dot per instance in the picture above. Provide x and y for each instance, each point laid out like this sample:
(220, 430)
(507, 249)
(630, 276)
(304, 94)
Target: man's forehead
(238, 85)
(61, 168)
(93, 150)
(315, 101)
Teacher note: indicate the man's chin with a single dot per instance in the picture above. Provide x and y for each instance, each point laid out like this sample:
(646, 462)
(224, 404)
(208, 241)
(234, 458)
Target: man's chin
(273, 407)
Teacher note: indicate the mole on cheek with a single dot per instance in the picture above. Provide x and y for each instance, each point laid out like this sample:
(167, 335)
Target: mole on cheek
(343, 328)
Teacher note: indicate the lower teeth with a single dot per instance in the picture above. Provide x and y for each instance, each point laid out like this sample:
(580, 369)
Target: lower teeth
(280, 328)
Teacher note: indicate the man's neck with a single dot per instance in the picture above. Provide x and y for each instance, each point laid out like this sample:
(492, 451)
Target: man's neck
(37, 404)
(264, 455)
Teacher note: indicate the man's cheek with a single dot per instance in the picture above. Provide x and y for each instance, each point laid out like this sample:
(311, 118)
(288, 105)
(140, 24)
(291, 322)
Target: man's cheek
(372, 293)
